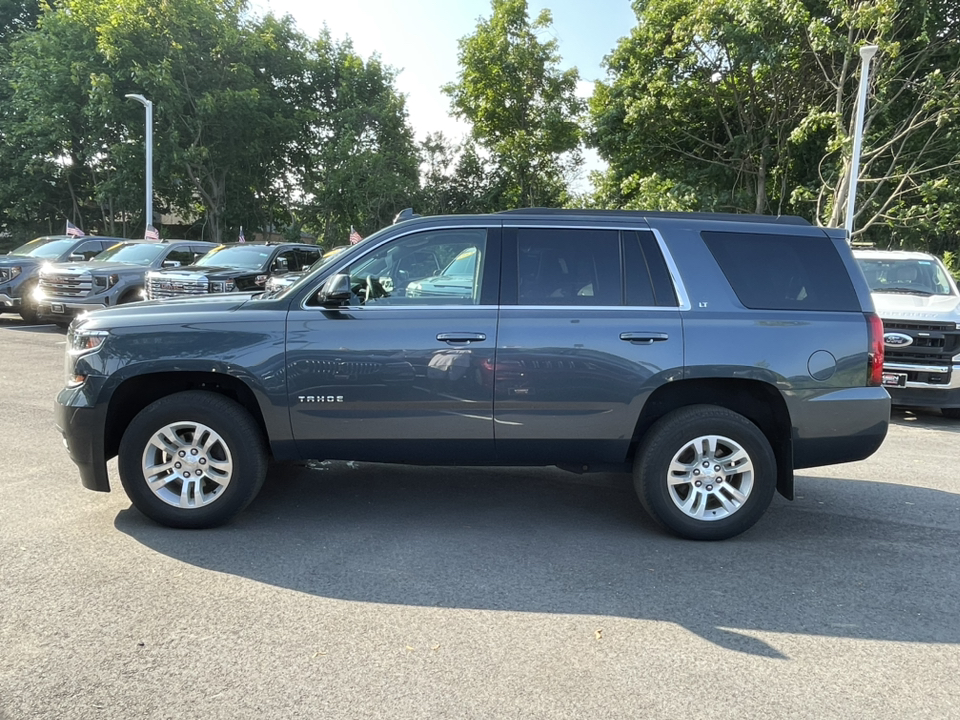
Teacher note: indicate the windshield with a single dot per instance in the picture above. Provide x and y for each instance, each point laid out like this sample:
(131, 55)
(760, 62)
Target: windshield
(45, 247)
(133, 253)
(241, 257)
(914, 276)
(463, 264)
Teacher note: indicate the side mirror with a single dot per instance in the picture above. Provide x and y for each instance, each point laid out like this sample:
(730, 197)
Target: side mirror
(335, 291)
(77, 257)
(170, 263)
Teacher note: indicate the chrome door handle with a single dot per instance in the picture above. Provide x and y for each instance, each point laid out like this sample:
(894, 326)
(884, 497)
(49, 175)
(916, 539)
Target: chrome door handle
(644, 338)
(461, 337)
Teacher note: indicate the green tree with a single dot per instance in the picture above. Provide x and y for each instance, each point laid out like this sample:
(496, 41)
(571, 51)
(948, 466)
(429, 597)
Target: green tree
(359, 162)
(748, 105)
(523, 109)
(455, 178)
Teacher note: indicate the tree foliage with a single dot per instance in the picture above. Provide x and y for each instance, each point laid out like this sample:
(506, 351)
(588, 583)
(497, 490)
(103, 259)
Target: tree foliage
(457, 179)
(748, 105)
(523, 110)
(255, 124)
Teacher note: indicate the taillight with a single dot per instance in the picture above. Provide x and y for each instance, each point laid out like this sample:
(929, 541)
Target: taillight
(875, 354)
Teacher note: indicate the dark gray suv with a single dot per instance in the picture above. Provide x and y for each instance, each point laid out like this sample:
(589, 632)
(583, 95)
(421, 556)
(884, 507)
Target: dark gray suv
(709, 355)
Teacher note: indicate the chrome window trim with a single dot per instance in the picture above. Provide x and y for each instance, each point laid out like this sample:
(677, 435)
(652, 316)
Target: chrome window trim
(682, 298)
(335, 269)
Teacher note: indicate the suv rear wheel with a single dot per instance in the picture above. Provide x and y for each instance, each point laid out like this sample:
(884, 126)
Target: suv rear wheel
(705, 472)
(192, 460)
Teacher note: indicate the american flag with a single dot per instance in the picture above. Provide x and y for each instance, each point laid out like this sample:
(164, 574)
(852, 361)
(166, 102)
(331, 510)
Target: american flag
(241, 238)
(151, 234)
(355, 237)
(74, 231)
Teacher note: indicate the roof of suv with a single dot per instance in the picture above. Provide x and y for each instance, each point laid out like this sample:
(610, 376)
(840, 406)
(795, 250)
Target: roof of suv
(640, 214)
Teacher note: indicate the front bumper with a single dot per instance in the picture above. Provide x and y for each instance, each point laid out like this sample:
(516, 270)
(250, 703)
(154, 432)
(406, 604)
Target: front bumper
(935, 397)
(70, 307)
(9, 301)
(924, 394)
(82, 429)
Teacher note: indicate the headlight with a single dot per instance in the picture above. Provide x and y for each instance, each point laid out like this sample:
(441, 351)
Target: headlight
(79, 343)
(216, 286)
(102, 282)
(10, 273)
(85, 341)
(38, 293)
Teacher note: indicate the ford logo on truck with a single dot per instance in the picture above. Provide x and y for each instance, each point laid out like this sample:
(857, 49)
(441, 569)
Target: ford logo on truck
(897, 340)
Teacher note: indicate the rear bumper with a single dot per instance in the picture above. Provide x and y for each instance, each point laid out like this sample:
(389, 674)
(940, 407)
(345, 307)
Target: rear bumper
(82, 430)
(840, 426)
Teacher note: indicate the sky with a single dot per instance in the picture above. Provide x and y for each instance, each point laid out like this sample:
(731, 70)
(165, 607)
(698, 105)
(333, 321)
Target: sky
(419, 39)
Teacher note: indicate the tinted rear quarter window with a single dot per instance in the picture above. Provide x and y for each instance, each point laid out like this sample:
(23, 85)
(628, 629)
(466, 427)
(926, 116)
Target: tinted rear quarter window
(783, 272)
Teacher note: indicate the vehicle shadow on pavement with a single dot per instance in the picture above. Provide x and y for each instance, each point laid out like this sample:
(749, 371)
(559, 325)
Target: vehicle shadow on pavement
(848, 558)
(929, 418)
(20, 326)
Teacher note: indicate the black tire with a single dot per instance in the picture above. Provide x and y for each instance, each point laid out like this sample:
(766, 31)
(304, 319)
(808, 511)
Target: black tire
(240, 441)
(952, 413)
(28, 306)
(676, 432)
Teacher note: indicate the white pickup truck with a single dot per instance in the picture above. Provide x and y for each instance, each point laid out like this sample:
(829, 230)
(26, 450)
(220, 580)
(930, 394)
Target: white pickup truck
(919, 304)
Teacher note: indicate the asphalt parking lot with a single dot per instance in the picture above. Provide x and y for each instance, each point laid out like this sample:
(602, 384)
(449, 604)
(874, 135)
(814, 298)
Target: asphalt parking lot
(371, 591)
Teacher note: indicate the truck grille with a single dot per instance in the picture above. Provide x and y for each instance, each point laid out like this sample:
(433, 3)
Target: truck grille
(933, 344)
(66, 286)
(157, 288)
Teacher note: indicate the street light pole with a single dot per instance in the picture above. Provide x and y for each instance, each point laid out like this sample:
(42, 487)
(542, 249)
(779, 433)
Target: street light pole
(866, 55)
(149, 106)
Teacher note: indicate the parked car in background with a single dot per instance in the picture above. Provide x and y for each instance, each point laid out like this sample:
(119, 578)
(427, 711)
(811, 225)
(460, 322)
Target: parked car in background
(237, 267)
(280, 281)
(20, 268)
(594, 341)
(113, 277)
(919, 304)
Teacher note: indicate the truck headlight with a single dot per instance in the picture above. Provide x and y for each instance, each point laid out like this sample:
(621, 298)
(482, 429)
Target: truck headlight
(10, 273)
(216, 286)
(104, 282)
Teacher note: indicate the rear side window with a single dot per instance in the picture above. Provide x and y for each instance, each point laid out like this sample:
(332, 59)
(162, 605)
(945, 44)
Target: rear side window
(646, 277)
(783, 272)
(568, 267)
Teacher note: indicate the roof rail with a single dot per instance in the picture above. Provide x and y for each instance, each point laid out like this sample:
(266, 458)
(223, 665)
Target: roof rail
(640, 214)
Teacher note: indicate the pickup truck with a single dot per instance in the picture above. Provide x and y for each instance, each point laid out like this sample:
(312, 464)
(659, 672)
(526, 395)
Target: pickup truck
(918, 301)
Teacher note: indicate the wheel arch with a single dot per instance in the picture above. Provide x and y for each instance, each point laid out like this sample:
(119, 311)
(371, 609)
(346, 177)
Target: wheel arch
(758, 401)
(137, 392)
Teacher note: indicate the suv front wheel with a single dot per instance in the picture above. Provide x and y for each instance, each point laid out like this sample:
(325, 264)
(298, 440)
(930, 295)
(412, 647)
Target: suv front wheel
(192, 460)
(705, 472)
